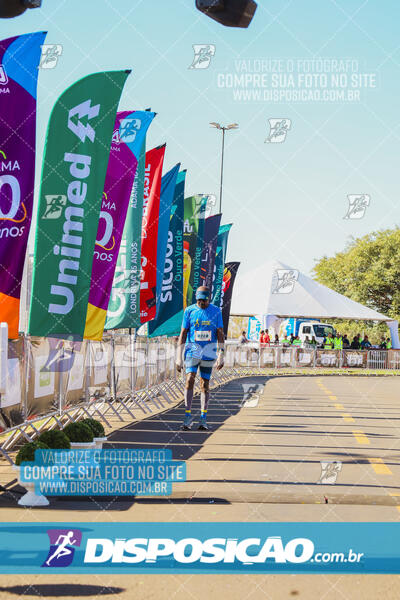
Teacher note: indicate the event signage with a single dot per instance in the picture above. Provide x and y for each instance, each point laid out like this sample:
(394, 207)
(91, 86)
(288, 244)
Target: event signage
(211, 228)
(170, 314)
(124, 307)
(74, 170)
(194, 213)
(19, 60)
(228, 280)
(220, 263)
(150, 231)
(128, 137)
(168, 183)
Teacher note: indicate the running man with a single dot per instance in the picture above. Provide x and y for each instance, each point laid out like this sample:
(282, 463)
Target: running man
(202, 329)
(62, 542)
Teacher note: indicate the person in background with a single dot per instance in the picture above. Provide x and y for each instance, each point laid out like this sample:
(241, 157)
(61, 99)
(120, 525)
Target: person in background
(286, 341)
(313, 341)
(306, 341)
(267, 339)
(276, 340)
(388, 343)
(261, 338)
(382, 345)
(291, 338)
(355, 344)
(365, 344)
(242, 338)
(329, 342)
(338, 341)
(297, 341)
(346, 342)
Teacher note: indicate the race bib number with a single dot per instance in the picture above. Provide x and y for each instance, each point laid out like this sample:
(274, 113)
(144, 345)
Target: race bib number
(202, 336)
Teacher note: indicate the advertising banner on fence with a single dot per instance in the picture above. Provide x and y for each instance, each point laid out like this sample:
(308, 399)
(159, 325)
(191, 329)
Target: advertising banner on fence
(168, 183)
(194, 213)
(228, 280)
(169, 318)
(211, 228)
(74, 170)
(19, 60)
(150, 230)
(124, 307)
(128, 138)
(219, 266)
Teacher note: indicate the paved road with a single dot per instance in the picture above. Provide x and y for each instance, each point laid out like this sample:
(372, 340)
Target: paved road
(262, 462)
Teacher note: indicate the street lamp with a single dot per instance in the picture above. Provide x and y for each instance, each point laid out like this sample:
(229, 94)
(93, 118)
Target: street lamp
(223, 129)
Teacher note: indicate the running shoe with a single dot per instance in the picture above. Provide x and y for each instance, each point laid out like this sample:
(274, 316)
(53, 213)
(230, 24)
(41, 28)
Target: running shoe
(203, 424)
(187, 422)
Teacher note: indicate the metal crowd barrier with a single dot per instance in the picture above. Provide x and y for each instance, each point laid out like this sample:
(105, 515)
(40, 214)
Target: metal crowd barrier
(50, 383)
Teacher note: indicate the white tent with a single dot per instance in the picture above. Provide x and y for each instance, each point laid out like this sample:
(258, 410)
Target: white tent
(277, 290)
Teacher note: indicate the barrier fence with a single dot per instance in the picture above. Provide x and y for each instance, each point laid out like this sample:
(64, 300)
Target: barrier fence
(47, 383)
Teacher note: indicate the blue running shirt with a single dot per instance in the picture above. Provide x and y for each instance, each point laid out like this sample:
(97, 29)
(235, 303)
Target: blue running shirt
(202, 325)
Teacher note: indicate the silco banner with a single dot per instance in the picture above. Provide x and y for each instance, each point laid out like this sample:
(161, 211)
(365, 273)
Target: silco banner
(74, 169)
(19, 60)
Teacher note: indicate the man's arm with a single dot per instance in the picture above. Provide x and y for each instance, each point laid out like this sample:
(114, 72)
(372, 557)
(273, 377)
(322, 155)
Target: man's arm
(179, 352)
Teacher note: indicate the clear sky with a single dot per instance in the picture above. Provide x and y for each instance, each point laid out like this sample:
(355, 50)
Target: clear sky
(287, 200)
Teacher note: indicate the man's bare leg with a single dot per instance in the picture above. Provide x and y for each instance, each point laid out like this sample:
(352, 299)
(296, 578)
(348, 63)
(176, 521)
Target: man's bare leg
(190, 378)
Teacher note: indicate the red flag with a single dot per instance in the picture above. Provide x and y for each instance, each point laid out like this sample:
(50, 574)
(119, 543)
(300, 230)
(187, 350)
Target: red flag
(151, 211)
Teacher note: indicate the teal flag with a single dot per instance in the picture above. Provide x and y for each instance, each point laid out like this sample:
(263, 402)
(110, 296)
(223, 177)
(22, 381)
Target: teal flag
(169, 319)
(74, 169)
(219, 265)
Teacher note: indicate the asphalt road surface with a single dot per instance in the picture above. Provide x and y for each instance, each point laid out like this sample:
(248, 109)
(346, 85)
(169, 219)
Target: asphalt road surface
(277, 445)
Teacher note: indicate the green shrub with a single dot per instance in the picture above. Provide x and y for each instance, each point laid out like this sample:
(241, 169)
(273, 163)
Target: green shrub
(55, 439)
(78, 432)
(27, 452)
(96, 427)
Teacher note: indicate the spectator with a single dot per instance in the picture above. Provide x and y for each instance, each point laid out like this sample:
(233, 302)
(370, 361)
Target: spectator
(382, 345)
(338, 341)
(329, 342)
(365, 344)
(267, 339)
(346, 342)
(355, 344)
(313, 341)
(261, 338)
(243, 339)
(388, 343)
(291, 338)
(297, 341)
(286, 341)
(276, 340)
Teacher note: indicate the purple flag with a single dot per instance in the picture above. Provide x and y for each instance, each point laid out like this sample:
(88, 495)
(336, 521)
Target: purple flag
(211, 229)
(19, 61)
(128, 137)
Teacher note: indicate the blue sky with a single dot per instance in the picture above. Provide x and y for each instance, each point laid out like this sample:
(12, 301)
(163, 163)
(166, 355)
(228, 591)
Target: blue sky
(286, 200)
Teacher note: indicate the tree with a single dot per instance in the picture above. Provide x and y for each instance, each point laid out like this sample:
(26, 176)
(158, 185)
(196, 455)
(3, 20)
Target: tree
(367, 271)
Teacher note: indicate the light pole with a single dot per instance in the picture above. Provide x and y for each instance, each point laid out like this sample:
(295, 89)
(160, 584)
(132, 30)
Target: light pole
(223, 129)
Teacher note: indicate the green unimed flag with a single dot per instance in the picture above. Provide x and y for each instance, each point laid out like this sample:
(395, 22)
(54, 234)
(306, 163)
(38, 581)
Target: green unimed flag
(74, 170)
